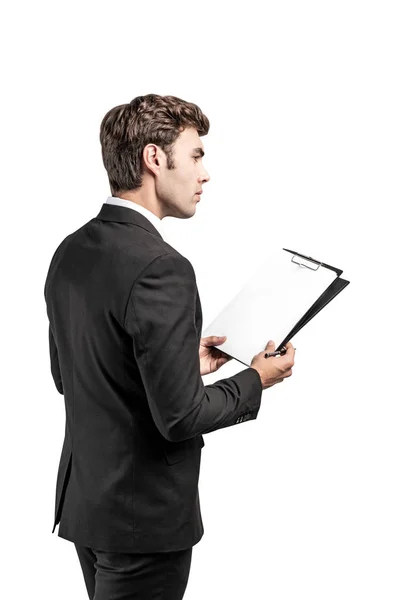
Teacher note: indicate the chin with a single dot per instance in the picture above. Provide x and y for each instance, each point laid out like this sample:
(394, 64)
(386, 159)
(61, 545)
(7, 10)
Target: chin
(189, 215)
(189, 212)
(184, 211)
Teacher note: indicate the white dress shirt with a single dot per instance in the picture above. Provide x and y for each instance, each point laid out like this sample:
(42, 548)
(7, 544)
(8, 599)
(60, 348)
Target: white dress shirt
(156, 221)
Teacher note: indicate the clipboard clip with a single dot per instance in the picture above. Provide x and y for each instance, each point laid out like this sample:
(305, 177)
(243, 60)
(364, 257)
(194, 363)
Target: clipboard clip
(307, 266)
(317, 262)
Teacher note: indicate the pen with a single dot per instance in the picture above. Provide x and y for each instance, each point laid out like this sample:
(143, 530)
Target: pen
(277, 353)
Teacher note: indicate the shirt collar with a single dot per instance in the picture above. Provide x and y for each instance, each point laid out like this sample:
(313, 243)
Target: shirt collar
(156, 221)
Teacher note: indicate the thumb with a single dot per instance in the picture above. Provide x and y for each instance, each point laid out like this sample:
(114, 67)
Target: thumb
(214, 340)
(270, 346)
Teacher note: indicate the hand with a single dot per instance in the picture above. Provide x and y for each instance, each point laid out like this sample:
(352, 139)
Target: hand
(274, 369)
(212, 359)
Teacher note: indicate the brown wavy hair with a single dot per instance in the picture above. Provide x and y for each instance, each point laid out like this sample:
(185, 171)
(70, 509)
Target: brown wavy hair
(126, 129)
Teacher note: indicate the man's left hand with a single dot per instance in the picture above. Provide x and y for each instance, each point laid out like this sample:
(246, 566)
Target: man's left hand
(211, 359)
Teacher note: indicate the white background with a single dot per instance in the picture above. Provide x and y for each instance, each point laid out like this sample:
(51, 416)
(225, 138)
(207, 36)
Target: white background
(303, 152)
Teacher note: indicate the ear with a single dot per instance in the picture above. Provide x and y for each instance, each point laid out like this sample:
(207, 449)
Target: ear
(152, 157)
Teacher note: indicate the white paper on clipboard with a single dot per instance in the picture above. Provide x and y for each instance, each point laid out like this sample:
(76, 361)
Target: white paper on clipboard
(269, 305)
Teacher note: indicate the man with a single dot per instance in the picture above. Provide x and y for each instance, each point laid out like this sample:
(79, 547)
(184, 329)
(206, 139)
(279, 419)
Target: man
(126, 351)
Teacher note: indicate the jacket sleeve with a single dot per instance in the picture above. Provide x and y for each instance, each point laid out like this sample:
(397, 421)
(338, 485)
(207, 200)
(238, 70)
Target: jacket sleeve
(160, 317)
(54, 363)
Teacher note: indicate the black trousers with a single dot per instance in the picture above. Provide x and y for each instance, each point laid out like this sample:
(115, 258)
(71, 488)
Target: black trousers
(132, 576)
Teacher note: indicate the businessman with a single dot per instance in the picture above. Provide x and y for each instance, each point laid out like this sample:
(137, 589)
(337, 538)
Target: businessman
(126, 352)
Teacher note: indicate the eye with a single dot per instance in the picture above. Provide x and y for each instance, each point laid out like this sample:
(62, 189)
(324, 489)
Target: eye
(196, 158)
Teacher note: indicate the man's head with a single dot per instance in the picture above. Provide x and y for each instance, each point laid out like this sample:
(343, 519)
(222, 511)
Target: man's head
(152, 153)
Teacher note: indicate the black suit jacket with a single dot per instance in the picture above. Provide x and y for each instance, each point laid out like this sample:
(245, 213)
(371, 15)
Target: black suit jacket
(125, 324)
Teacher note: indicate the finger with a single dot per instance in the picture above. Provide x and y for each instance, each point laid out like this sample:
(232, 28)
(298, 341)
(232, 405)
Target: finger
(219, 339)
(270, 346)
(290, 352)
(213, 340)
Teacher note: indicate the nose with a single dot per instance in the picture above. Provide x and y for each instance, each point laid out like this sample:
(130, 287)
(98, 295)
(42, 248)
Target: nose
(204, 177)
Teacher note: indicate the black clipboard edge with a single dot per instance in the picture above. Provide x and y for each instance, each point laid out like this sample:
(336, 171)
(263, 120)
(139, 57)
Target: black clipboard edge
(329, 294)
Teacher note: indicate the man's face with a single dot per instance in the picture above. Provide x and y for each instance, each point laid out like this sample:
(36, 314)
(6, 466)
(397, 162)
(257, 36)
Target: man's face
(177, 188)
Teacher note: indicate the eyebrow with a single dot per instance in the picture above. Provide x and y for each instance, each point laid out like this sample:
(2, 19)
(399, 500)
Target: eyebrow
(199, 150)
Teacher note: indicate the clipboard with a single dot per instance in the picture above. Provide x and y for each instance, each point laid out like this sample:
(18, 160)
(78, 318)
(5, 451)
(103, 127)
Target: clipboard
(275, 303)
